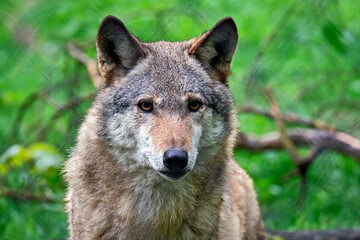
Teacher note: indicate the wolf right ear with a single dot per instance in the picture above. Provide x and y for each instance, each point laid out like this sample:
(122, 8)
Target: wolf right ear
(117, 49)
(215, 49)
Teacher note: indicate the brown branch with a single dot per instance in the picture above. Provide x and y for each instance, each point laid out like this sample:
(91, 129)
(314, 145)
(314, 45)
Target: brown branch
(27, 103)
(25, 106)
(286, 141)
(301, 163)
(74, 102)
(26, 196)
(339, 234)
(288, 118)
(321, 140)
(90, 64)
(47, 98)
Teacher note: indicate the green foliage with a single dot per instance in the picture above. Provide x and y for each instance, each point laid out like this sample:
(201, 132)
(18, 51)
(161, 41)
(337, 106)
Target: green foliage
(31, 181)
(307, 51)
(331, 194)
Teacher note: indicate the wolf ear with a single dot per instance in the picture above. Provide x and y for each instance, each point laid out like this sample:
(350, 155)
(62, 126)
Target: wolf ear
(117, 49)
(215, 48)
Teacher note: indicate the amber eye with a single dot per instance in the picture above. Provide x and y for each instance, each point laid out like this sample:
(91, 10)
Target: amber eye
(194, 106)
(146, 106)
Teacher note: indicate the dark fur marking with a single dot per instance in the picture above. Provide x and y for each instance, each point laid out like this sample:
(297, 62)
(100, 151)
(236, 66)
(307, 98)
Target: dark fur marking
(214, 61)
(124, 97)
(222, 47)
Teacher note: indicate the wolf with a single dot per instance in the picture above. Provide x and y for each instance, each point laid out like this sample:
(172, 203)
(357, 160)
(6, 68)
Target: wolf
(154, 155)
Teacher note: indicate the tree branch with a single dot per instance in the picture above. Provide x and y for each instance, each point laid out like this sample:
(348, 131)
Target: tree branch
(74, 102)
(319, 139)
(288, 118)
(302, 164)
(25, 196)
(27, 104)
(286, 141)
(90, 64)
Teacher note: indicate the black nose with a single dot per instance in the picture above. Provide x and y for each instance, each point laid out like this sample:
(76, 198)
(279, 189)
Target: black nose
(175, 159)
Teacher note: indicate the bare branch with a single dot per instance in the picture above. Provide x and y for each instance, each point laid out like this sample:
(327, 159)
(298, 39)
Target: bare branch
(301, 164)
(26, 196)
(286, 141)
(49, 99)
(90, 64)
(25, 106)
(28, 103)
(72, 103)
(321, 140)
(288, 118)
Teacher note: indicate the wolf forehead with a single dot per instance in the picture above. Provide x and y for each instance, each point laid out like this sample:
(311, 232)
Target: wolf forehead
(169, 64)
(169, 72)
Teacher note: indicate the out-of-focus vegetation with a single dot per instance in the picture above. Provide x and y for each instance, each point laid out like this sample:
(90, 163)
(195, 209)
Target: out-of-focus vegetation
(307, 51)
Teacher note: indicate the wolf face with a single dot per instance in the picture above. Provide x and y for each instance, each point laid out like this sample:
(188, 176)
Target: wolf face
(164, 105)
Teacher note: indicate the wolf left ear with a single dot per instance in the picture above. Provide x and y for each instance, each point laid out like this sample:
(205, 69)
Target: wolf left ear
(117, 49)
(215, 49)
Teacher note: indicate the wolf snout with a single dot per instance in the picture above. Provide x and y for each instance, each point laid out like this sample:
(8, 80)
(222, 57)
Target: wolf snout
(175, 159)
(175, 164)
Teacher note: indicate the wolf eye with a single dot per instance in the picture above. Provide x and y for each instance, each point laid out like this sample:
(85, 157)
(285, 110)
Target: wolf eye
(146, 106)
(194, 105)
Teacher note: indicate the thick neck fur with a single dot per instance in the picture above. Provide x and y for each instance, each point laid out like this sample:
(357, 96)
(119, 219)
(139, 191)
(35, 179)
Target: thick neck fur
(129, 199)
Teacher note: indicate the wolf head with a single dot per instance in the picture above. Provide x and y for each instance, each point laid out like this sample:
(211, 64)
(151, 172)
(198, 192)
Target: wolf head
(165, 106)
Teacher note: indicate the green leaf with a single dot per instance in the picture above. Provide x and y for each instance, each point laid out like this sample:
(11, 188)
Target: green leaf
(14, 156)
(45, 156)
(334, 36)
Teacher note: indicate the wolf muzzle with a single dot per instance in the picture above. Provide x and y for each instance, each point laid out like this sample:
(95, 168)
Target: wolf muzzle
(175, 160)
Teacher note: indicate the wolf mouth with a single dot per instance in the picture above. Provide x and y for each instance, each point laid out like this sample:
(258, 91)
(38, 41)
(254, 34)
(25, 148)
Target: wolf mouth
(172, 174)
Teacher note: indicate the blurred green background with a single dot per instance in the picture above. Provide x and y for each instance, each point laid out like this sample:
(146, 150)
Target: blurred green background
(307, 51)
